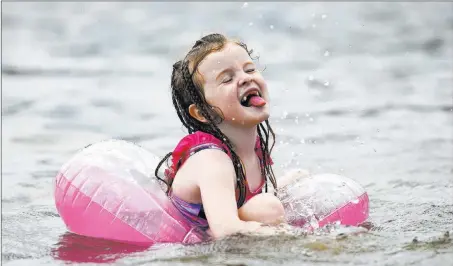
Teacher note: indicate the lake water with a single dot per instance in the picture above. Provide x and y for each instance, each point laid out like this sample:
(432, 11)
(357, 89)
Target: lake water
(360, 89)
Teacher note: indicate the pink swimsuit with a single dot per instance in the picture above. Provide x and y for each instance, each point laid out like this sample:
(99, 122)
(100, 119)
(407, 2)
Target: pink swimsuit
(188, 146)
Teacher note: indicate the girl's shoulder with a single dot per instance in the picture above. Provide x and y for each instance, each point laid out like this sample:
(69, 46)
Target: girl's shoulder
(198, 140)
(191, 144)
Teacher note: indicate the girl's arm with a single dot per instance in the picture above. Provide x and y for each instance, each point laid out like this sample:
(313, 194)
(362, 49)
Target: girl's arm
(217, 181)
(289, 178)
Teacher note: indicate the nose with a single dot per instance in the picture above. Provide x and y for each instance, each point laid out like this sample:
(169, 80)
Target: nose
(245, 79)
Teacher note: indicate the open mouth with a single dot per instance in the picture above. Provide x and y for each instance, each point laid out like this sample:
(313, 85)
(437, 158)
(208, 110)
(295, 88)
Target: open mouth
(253, 98)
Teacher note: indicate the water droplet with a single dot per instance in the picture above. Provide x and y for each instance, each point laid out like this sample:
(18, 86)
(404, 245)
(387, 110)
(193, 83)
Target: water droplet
(307, 114)
(326, 53)
(271, 27)
(311, 78)
(250, 23)
(326, 84)
(341, 169)
(285, 115)
(311, 119)
(245, 5)
(302, 141)
(324, 16)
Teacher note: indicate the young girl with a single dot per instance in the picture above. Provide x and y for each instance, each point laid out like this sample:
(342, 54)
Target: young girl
(218, 175)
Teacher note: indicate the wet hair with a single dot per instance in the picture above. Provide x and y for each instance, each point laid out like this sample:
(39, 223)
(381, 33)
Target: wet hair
(187, 89)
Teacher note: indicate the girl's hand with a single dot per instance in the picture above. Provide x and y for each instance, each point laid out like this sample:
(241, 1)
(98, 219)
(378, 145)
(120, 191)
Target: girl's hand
(292, 176)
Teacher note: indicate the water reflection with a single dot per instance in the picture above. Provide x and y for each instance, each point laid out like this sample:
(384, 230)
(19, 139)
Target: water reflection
(80, 249)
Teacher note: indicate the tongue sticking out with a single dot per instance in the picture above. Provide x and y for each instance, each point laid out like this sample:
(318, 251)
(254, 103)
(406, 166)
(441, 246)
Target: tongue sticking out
(257, 101)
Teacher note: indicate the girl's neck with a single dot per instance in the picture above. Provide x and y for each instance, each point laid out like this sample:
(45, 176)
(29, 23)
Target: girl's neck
(242, 139)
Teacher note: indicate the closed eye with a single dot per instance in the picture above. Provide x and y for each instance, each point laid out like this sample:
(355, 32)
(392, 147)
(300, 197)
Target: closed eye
(227, 79)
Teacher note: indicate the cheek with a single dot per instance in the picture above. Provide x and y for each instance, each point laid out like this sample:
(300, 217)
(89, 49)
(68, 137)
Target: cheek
(262, 83)
(220, 97)
(258, 78)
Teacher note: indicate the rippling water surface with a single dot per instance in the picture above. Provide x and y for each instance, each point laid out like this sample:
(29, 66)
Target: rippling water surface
(360, 89)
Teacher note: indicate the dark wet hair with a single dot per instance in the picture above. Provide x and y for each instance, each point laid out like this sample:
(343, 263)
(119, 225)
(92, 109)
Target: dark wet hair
(187, 89)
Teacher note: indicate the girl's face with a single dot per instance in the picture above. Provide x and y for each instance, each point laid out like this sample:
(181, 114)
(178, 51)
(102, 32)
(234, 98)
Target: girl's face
(233, 84)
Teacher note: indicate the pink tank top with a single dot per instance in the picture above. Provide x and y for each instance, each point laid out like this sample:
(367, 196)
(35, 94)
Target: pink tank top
(188, 146)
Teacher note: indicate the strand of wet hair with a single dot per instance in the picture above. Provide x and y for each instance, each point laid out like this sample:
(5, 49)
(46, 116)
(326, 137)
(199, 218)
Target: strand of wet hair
(168, 182)
(266, 153)
(267, 170)
(182, 118)
(177, 104)
(263, 160)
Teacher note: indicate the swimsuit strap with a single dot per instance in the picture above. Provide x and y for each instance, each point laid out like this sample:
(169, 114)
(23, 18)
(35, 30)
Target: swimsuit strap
(190, 145)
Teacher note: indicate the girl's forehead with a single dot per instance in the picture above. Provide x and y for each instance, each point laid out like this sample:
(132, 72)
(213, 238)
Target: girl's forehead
(232, 55)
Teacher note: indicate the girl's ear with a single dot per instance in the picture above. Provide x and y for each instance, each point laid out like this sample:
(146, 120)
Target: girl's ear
(195, 113)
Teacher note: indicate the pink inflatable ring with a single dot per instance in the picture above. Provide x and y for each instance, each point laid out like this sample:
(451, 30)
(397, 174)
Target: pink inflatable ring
(108, 190)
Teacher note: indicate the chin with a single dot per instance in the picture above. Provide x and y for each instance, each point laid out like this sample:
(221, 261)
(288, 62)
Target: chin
(257, 119)
(264, 113)
(264, 117)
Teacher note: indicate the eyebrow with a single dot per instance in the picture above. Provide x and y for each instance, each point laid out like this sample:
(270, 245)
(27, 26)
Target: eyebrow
(229, 69)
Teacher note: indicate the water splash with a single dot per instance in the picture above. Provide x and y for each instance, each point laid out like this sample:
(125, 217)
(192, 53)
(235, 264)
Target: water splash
(355, 201)
(285, 115)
